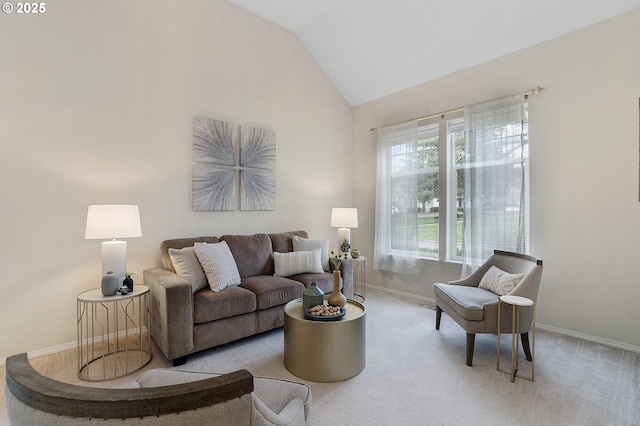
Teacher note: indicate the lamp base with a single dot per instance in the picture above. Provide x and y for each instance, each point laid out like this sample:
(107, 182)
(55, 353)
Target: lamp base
(344, 239)
(114, 257)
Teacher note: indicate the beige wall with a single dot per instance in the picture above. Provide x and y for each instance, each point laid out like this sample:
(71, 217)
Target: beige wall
(97, 103)
(96, 106)
(585, 213)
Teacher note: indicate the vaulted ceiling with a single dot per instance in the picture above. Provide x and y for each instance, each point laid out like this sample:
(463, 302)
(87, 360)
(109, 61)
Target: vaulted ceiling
(372, 48)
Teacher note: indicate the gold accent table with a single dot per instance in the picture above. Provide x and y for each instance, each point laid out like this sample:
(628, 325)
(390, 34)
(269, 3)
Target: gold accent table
(325, 351)
(516, 303)
(113, 333)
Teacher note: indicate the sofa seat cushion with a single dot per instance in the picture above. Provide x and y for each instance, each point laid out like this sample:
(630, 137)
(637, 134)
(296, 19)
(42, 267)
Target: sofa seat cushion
(468, 302)
(209, 305)
(252, 253)
(272, 291)
(324, 280)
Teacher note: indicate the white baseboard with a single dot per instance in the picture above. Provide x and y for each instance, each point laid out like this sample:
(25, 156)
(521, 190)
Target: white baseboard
(539, 326)
(588, 337)
(427, 300)
(67, 346)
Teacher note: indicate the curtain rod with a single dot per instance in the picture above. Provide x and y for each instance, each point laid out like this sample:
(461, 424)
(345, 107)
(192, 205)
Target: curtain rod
(535, 90)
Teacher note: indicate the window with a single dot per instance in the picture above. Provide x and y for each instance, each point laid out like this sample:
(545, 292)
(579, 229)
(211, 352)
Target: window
(453, 186)
(440, 165)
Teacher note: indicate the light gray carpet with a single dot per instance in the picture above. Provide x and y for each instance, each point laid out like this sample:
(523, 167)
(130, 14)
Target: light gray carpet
(416, 375)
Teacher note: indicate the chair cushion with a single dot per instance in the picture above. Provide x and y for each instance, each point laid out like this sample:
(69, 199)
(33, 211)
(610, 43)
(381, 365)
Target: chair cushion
(210, 306)
(468, 302)
(292, 414)
(272, 291)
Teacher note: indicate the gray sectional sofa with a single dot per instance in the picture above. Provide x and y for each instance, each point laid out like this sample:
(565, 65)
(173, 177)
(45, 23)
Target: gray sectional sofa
(185, 319)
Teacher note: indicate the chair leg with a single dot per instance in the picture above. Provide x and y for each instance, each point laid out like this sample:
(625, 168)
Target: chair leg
(525, 346)
(438, 316)
(471, 340)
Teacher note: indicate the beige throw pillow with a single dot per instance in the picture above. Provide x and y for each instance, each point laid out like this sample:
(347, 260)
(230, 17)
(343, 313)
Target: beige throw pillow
(297, 262)
(305, 244)
(187, 266)
(218, 264)
(500, 282)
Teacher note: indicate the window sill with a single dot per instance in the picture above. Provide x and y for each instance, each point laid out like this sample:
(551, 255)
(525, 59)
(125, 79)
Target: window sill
(457, 264)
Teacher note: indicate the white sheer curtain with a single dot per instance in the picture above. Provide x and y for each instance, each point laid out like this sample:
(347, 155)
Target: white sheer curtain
(396, 239)
(496, 196)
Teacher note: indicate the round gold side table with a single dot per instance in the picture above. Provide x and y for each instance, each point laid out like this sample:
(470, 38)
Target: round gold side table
(325, 351)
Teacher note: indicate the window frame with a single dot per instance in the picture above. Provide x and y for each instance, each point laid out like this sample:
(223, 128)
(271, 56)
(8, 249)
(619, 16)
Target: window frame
(447, 186)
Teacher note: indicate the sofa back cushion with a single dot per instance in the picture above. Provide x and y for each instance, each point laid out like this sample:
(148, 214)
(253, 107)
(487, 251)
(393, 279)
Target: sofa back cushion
(252, 253)
(283, 242)
(179, 243)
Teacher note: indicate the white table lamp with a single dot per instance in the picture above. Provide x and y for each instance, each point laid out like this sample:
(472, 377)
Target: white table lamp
(111, 221)
(344, 219)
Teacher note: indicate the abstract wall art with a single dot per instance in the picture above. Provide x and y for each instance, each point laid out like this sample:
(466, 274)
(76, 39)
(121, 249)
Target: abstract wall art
(257, 148)
(214, 141)
(214, 188)
(234, 166)
(257, 189)
(257, 169)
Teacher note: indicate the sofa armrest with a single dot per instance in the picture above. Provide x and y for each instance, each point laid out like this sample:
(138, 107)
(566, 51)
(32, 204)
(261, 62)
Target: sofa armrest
(171, 312)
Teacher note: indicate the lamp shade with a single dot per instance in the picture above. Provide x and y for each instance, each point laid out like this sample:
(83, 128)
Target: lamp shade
(344, 217)
(106, 221)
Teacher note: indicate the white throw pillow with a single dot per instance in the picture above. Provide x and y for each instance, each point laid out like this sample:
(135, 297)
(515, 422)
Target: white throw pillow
(297, 262)
(305, 244)
(187, 266)
(500, 282)
(218, 264)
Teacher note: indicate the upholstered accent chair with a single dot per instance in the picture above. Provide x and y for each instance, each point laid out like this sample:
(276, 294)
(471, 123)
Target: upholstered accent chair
(164, 397)
(475, 309)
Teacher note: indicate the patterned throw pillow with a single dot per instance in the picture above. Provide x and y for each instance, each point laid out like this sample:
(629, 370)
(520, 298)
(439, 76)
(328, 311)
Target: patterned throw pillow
(297, 262)
(500, 282)
(218, 264)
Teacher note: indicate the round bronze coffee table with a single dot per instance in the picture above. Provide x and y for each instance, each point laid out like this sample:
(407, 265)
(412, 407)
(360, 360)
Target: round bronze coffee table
(325, 351)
